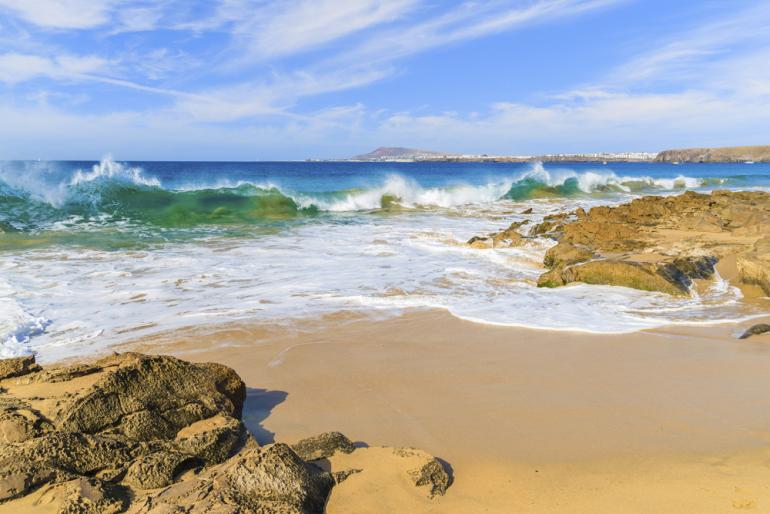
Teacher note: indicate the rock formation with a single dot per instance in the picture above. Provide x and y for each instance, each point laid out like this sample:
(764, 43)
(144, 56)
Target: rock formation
(654, 243)
(658, 243)
(502, 239)
(138, 433)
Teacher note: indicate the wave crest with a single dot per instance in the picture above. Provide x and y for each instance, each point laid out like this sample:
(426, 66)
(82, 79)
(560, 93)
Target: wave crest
(114, 191)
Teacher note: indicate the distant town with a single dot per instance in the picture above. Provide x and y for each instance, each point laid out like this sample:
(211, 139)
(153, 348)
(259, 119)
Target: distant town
(747, 154)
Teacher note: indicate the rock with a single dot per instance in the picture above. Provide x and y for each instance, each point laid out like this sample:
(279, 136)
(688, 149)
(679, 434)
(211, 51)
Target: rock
(55, 457)
(754, 265)
(19, 422)
(660, 243)
(503, 239)
(480, 242)
(323, 446)
(159, 469)
(151, 397)
(755, 330)
(341, 476)
(527, 211)
(17, 366)
(270, 479)
(566, 254)
(636, 275)
(213, 440)
(150, 434)
(94, 496)
(433, 475)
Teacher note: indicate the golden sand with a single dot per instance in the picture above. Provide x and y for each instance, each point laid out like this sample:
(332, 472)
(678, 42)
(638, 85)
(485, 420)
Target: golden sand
(670, 420)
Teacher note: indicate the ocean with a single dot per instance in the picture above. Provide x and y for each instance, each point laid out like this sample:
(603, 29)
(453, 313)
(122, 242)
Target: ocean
(93, 254)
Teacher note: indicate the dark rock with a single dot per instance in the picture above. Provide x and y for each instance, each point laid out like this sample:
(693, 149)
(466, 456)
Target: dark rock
(433, 475)
(755, 330)
(323, 446)
(17, 366)
(527, 211)
(341, 476)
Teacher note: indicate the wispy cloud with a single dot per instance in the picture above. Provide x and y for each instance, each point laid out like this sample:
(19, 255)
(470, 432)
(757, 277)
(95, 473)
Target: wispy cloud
(293, 26)
(248, 70)
(15, 67)
(62, 14)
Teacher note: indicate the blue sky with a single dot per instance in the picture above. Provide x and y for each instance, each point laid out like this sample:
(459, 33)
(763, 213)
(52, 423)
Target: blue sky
(290, 79)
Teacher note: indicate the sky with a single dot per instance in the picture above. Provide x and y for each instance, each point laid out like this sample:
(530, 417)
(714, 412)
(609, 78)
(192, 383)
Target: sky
(296, 79)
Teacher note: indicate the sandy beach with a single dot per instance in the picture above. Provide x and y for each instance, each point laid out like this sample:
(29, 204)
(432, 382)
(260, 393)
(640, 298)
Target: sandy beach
(668, 420)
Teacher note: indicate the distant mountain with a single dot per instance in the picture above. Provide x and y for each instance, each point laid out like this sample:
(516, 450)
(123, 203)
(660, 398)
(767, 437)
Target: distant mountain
(391, 153)
(729, 154)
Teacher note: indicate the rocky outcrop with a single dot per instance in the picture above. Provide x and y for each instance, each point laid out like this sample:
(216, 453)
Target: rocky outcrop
(660, 243)
(502, 239)
(17, 366)
(754, 265)
(138, 433)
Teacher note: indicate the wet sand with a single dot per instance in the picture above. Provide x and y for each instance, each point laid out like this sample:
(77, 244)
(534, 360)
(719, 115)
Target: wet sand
(670, 420)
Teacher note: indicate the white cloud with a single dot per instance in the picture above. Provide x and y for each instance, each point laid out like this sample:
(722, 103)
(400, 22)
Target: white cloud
(468, 21)
(16, 67)
(62, 14)
(292, 26)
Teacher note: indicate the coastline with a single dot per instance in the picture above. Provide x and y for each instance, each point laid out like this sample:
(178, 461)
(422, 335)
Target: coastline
(661, 420)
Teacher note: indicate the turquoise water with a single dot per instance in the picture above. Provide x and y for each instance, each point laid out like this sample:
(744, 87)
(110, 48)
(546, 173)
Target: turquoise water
(116, 203)
(97, 253)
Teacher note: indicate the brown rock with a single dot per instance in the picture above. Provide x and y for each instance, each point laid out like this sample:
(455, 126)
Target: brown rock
(17, 366)
(684, 236)
(159, 469)
(150, 397)
(642, 276)
(270, 479)
(94, 496)
(152, 434)
(503, 239)
(566, 254)
(323, 446)
(433, 475)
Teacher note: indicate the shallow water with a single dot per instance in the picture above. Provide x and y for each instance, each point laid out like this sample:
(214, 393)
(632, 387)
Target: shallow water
(98, 253)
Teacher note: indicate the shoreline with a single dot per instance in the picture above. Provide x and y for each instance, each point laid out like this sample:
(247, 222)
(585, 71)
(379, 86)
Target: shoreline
(652, 419)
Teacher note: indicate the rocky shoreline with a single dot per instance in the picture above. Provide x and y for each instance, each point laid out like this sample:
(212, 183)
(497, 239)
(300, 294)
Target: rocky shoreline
(138, 433)
(653, 243)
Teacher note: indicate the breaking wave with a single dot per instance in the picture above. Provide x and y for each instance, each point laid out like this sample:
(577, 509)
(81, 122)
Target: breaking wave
(111, 191)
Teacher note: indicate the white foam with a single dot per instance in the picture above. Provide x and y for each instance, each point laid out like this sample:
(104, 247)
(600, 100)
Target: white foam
(17, 326)
(407, 193)
(367, 264)
(590, 181)
(107, 169)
